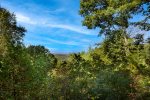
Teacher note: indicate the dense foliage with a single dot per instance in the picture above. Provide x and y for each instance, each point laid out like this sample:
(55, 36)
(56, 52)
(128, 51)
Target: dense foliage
(116, 69)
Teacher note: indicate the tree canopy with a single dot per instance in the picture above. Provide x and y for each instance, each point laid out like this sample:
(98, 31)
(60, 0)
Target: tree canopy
(109, 15)
(116, 69)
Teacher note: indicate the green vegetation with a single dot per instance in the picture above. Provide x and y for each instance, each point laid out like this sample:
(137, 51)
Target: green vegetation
(117, 69)
(62, 57)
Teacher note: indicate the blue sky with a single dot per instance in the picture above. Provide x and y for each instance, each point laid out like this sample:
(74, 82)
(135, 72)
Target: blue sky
(56, 24)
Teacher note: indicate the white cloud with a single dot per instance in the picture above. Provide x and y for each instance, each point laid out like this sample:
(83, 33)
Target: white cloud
(24, 19)
(46, 41)
(53, 24)
(64, 42)
(71, 28)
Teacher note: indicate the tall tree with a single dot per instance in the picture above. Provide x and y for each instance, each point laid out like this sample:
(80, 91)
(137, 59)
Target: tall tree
(109, 15)
(14, 63)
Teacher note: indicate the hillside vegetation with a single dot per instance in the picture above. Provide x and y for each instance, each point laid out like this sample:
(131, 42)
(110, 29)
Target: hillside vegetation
(61, 57)
(116, 69)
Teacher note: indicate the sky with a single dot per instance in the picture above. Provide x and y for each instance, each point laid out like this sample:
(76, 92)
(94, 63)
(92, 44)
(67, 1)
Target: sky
(55, 24)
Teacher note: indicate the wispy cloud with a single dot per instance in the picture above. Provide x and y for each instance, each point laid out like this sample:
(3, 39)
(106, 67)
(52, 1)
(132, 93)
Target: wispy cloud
(24, 19)
(64, 42)
(44, 22)
(47, 40)
(71, 28)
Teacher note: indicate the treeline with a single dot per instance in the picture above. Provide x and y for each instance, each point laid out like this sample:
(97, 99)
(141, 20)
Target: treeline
(116, 69)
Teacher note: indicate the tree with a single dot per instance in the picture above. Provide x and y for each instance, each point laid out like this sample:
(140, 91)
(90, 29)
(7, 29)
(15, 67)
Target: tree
(9, 28)
(113, 18)
(109, 15)
(14, 63)
(42, 63)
